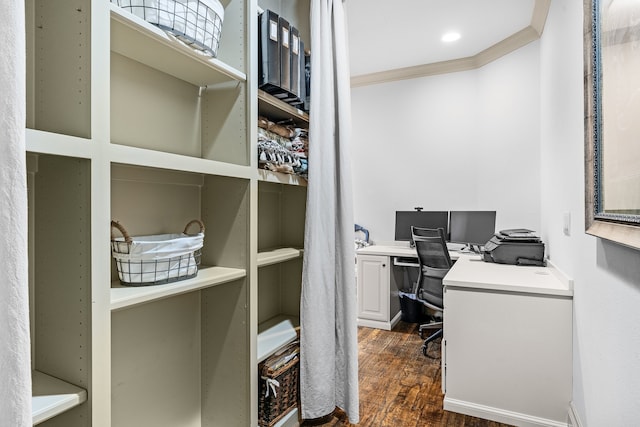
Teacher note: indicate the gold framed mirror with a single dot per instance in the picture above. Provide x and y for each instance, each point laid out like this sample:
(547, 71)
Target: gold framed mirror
(612, 120)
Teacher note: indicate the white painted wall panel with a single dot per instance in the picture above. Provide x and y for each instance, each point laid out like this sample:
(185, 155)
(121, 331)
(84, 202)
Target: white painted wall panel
(460, 141)
(606, 334)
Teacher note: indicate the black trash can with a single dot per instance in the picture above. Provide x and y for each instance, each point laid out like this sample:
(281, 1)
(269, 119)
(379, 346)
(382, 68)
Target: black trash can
(412, 310)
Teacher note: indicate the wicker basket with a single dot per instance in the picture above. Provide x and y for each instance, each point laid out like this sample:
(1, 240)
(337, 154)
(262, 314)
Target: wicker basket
(198, 23)
(279, 382)
(157, 259)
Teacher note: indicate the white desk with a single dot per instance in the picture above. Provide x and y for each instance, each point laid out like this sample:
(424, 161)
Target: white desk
(507, 346)
(379, 282)
(399, 251)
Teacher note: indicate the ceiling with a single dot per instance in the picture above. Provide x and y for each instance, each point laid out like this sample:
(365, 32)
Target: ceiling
(404, 35)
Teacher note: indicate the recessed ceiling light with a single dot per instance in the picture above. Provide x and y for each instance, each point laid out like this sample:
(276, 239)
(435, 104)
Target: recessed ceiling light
(450, 37)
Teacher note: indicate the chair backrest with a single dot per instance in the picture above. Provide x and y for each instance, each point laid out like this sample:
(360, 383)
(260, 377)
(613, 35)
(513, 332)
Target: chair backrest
(435, 262)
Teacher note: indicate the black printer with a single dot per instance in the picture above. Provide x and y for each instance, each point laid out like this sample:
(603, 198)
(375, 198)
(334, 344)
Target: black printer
(515, 246)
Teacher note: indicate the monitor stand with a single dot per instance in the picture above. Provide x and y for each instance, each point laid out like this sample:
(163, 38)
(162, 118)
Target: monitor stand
(471, 249)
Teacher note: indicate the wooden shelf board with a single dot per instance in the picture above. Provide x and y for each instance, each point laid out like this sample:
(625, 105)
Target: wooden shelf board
(289, 420)
(38, 141)
(275, 256)
(275, 333)
(141, 41)
(281, 178)
(128, 296)
(276, 109)
(52, 396)
(156, 159)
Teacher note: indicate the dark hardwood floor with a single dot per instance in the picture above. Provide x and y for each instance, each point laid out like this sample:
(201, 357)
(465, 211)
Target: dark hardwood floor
(399, 387)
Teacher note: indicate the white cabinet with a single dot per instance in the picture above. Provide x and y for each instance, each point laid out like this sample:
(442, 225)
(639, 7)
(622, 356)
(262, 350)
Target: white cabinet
(124, 122)
(60, 287)
(382, 271)
(507, 353)
(281, 216)
(281, 211)
(373, 288)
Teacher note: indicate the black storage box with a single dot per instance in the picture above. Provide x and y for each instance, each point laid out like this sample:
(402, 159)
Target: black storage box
(268, 51)
(517, 247)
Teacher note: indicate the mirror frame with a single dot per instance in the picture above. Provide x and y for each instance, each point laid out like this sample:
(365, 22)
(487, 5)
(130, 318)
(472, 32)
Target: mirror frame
(623, 229)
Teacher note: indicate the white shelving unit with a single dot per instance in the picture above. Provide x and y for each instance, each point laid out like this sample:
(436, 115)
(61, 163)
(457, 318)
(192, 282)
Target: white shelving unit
(277, 255)
(281, 178)
(125, 122)
(276, 109)
(289, 420)
(281, 215)
(281, 220)
(128, 296)
(276, 333)
(60, 294)
(52, 396)
(135, 38)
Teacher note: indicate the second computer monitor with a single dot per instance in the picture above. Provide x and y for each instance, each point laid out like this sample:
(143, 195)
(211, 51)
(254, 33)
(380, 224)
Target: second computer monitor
(472, 227)
(423, 219)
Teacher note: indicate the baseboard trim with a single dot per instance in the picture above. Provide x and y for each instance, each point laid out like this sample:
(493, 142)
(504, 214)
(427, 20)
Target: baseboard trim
(380, 324)
(377, 324)
(396, 319)
(499, 415)
(574, 417)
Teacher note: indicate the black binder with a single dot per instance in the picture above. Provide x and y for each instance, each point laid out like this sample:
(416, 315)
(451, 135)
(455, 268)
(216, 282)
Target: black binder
(268, 51)
(298, 102)
(285, 57)
(295, 64)
(307, 82)
(302, 82)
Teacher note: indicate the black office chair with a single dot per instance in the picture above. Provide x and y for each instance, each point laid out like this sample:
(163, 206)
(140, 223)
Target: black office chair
(435, 262)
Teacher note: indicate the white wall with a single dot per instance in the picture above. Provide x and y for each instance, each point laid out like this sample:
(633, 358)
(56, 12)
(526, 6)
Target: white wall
(440, 142)
(606, 368)
(460, 141)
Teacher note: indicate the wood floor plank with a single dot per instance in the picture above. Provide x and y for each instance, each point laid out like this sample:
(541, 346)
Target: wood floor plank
(399, 386)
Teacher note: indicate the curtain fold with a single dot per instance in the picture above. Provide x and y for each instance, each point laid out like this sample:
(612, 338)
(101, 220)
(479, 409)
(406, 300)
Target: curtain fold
(15, 358)
(329, 356)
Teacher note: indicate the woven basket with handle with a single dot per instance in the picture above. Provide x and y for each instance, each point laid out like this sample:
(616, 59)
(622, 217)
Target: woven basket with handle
(279, 383)
(156, 259)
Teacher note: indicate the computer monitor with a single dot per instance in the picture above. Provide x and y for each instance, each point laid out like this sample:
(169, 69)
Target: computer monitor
(473, 228)
(424, 219)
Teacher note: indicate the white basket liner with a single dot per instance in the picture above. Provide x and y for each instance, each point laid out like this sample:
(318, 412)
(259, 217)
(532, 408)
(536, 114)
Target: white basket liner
(158, 257)
(157, 247)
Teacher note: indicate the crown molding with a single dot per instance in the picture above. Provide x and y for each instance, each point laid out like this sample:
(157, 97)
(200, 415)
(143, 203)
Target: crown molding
(515, 41)
(539, 17)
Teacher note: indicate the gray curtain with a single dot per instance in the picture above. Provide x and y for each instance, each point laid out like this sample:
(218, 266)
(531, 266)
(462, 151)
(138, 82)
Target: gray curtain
(329, 356)
(15, 358)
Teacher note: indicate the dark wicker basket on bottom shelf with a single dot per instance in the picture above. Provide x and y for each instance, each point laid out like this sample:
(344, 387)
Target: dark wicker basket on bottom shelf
(278, 387)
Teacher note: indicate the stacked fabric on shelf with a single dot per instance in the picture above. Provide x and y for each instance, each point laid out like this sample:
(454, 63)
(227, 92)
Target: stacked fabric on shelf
(282, 147)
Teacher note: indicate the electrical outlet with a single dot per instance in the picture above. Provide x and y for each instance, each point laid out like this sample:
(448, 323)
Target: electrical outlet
(566, 223)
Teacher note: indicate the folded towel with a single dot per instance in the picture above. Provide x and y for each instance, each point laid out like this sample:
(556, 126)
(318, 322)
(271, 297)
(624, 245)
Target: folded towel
(15, 359)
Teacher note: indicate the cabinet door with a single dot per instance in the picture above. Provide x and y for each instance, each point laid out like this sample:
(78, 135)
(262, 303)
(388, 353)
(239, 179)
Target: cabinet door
(373, 287)
(507, 351)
